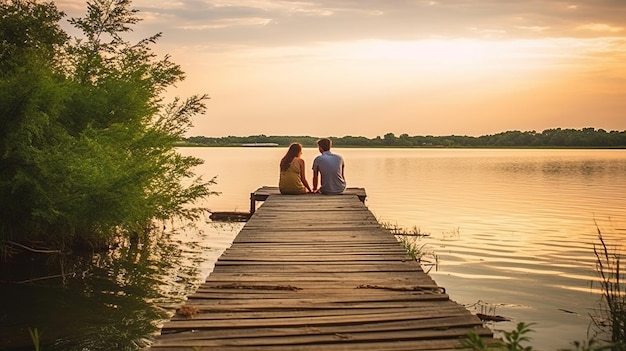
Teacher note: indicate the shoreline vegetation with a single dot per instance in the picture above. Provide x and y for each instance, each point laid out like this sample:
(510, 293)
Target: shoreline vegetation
(87, 151)
(549, 138)
(607, 330)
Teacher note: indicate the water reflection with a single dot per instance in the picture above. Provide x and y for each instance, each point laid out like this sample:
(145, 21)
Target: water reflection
(104, 301)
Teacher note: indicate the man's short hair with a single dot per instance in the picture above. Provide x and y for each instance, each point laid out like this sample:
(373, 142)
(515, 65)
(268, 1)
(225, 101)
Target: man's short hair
(324, 144)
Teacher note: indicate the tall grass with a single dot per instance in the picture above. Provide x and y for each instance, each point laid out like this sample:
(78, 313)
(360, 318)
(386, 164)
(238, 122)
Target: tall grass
(412, 248)
(610, 317)
(36, 337)
(408, 239)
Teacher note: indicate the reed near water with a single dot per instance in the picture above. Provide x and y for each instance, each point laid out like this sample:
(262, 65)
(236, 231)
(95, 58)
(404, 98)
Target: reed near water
(610, 317)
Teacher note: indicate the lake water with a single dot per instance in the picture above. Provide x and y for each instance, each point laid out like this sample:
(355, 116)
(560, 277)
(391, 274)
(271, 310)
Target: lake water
(511, 234)
(511, 231)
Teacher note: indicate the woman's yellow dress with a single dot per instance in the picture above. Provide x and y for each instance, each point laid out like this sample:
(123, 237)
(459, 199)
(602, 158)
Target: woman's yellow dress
(290, 181)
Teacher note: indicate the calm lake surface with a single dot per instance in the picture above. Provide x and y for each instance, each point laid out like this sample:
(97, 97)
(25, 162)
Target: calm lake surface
(511, 234)
(512, 230)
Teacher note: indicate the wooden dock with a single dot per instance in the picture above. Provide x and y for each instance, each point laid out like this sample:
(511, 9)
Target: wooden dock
(317, 272)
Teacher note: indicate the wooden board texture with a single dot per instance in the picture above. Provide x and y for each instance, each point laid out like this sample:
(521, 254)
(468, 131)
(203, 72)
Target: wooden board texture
(311, 272)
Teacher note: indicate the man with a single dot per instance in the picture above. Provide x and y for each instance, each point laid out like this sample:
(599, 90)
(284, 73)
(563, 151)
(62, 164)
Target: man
(330, 166)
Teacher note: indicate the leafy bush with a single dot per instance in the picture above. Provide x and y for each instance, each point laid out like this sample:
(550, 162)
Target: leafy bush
(87, 144)
(512, 340)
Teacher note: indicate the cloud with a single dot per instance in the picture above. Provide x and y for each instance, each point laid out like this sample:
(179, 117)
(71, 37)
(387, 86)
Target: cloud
(324, 20)
(534, 28)
(601, 27)
(230, 22)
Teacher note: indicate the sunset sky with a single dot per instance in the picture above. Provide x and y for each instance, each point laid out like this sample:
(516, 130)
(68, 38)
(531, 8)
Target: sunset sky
(367, 68)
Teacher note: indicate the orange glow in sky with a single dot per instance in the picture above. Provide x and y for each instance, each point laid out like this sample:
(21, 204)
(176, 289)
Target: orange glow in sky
(336, 68)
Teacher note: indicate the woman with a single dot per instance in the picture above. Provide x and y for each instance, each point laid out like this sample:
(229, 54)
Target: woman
(292, 172)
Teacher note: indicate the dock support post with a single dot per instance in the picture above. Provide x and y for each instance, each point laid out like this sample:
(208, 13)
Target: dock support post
(252, 203)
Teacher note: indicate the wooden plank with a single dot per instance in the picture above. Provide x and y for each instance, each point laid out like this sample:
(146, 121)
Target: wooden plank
(315, 272)
(299, 268)
(335, 338)
(450, 310)
(265, 191)
(425, 293)
(426, 323)
(354, 321)
(396, 345)
(330, 297)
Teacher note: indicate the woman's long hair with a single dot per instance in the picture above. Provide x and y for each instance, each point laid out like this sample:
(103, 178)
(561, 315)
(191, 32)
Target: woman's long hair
(294, 150)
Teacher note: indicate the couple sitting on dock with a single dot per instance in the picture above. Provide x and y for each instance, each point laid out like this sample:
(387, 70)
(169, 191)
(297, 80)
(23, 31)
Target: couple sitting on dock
(327, 165)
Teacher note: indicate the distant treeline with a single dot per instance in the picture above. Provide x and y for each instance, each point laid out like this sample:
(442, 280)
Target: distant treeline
(585, 137)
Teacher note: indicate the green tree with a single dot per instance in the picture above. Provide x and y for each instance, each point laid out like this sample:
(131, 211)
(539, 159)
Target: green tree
(390, 139)
(89, 149)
